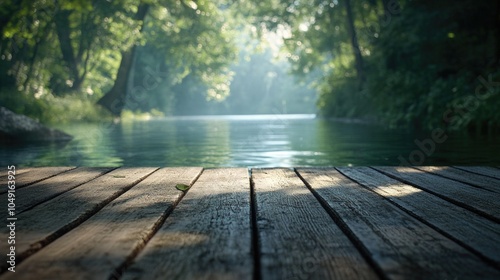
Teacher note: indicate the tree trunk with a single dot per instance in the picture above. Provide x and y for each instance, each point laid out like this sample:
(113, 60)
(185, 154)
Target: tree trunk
(38, 41)
(359, 63)
(63, 34)
(31, 66)
(114, 100)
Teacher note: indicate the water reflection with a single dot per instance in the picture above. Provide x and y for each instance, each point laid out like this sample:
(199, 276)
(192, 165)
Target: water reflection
(277, 140)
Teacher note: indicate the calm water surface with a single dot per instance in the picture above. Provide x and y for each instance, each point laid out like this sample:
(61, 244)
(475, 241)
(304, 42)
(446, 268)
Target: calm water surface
(256, 141)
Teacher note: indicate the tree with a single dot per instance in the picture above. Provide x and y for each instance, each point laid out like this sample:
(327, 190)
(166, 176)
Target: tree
(72, 49)
(359, 64)
(190, 50)
(324, 35)
(114, 100)
(190, 24)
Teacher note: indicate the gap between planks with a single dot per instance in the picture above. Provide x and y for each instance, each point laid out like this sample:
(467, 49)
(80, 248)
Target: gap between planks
(459, 175)
(474, 232)
(28, 176)
(133, 268)
(46, 222)
(401, 245)
(207, 236)
(477, 200)
(492, 172)
(298, 239)
(103, 244)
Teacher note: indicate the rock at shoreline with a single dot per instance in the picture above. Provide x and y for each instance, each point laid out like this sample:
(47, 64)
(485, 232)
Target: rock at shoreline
(20, 128)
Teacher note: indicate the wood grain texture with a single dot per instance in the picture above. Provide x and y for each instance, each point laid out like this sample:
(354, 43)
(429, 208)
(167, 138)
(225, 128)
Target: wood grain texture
(298, 239)
(44, 223)
(31, 175)
(96, 248)
(482, 170)
(477, 233)
(473, 179)
(207, 236)
(402, 246)
(40, 192)
(484, 203)
(4, 171)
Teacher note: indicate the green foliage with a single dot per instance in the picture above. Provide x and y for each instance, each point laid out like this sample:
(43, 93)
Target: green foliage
(66, 53)
(347, 100)
(190, 47)
(421, 59)
(406, 63)
(128, 115)
(418, 75)
(51, 109)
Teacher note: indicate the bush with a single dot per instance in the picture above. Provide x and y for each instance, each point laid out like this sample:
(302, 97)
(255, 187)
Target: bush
(50, 109)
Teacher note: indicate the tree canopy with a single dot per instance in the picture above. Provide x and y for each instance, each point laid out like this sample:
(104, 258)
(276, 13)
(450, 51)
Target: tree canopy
(117, 53)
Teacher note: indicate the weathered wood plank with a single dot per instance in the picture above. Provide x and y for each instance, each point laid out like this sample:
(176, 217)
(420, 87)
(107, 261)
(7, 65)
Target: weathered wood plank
(482, 170)
(44, 223)
(477, 233)
(19, 170)
(402, 246)
(115, 234)
(484, 203)
(28, 176)
(35, 194)
(298, 239)
(4, 176)
(473, 179)
(207, 236)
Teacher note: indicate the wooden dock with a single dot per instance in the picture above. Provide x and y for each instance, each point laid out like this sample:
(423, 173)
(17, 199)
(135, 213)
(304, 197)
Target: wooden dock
(236, 223)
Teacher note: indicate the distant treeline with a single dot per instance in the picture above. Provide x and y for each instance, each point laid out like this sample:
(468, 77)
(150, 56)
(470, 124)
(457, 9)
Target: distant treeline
(261, 85)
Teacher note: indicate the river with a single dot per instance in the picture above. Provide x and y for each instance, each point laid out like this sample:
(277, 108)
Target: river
(251, 141)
